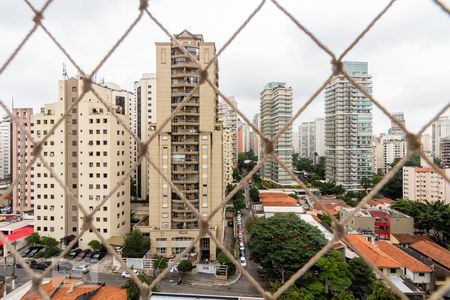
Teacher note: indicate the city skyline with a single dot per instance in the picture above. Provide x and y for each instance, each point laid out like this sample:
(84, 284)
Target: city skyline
(393, 87)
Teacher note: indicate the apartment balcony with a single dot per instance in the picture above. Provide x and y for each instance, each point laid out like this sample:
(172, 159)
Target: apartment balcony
(184, 171)
(185, 219)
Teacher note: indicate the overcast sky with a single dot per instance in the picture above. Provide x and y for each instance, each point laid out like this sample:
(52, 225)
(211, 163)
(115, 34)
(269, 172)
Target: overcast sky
(408, 50)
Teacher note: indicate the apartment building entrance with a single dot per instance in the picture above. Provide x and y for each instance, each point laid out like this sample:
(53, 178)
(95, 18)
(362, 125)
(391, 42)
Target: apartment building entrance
(204, 249)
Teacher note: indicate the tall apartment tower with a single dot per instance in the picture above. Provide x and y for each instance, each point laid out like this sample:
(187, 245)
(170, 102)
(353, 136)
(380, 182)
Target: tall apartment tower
(348, 127)
(440, 129)
(319, 124)
(307, 139)
(395, 129)
(388, 148)
(243, 139)
(145, 101)
(188, 150)
(445, 152)
(89, 152)
(230, 122)
(5, 151)
(256, 145)
(296, 142)
(276, 111)
(21, 157)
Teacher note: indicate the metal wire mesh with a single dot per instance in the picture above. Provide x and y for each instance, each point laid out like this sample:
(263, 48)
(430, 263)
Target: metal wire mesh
(413, 140)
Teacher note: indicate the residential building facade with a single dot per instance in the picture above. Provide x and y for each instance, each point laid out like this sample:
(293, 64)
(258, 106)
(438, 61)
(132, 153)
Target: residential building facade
(145, 102)
(445, 152)
(395, 129)
(188, 149)
(439, 129)
(275, 112)
(243, 137)
(5, 151)
(89, 153)
(425, 184)
(348, 127)
(388, 148)
(256, 139)
(21, 157)
(230, 122)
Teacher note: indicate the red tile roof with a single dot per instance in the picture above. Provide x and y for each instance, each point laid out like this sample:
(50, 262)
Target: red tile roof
(374, 254)
(404, 238)
(110, 292)
(279, 199)
(402, 257)
(433, 251)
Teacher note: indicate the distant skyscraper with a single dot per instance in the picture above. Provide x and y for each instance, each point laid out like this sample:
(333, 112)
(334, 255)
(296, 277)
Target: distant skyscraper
(89, 152)
(307, 139)
(188, 150)
(144, 115)
(395, 129)
(388, 148)
(276, 111)
(445, 152)
(21, 156)
(348, 127)
(427, 144)
(440, 129)
(5, 150)
(230, 119)
(256, 145)
(296, 142)
(243, 138)
(320, 136)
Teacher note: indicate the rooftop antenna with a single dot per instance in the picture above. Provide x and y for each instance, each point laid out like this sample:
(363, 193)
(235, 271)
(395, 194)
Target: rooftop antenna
(64, 73)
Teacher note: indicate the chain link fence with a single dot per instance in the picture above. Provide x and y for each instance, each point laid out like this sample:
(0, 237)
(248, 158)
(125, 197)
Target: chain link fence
(143, 10)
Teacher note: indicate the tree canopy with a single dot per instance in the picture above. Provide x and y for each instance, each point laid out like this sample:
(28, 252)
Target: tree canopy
(381, 292)
(133, 291)
(275, 242)
(185, 266)
(362, 278)
(136, 245)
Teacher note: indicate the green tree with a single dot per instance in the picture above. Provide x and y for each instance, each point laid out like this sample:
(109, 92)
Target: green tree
(97, 246)
(33, 238)
(159, 263)
(239, 200)
(223, 259)
(185, 266)
(292, 293)
(254, 194)
(319, 169)
(133, 291)
(362, 278)
(366, 183)
(274, 242)
(302, 163)
(330, 188)
(329, 277)
(381, 292)
(236, 174)
(250, 223)
(394, 188)
(136, 245)
(48, 241)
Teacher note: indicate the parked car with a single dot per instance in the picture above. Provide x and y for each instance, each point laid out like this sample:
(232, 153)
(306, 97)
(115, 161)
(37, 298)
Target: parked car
(64, 266)
(125, 274)
(33, 252)
(243, 261)
(96, 257)
(83, 254)
(25, 252)
(74, 253)
(81, 269)
(29, 262)
(241, 246)
(42, 265)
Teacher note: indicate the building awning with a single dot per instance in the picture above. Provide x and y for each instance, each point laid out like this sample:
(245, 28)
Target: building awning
(18, 234)
(116, 241)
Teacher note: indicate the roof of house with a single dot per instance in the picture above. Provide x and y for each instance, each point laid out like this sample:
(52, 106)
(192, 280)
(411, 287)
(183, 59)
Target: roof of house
(404, 238)
(273, 195)
(278, 199)
(373, 253)
(433, 251)
(19, 233)
(402, 257)
(60, 288)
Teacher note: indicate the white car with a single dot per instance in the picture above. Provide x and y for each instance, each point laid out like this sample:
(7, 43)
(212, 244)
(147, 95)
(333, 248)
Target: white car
(241, 246)
(125, 274)
(243, 261)
(81, 269)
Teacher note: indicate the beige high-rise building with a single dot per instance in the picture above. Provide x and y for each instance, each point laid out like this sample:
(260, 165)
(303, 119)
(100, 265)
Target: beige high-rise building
(388, 148)
(89, 152)
(188, 150)
(145, 115)
(228, 151)
(230, 122)
(21, 157)
(425, 184)
(256, 139)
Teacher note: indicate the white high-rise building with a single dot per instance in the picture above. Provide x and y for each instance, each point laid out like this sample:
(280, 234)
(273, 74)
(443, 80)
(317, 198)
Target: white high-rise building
(145, 102)
(319, 136)
(5, 150)
(276, 111)
(256, 139)
(348, 127)
(440, 129)
(89, 152)
(427, 143)
(388, 148)
(243, 137)
(230, 122)
(395, 129)
(296, 142)
(312, 139)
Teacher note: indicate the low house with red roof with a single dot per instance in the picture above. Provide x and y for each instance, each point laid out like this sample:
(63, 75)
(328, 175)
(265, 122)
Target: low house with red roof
(381, 260)
(15, 232)
(379, 203)
(403, 240)
(416, 271)
(276, 203)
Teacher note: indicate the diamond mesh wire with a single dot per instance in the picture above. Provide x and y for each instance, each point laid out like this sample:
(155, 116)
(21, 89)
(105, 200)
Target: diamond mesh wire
(413, 140)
